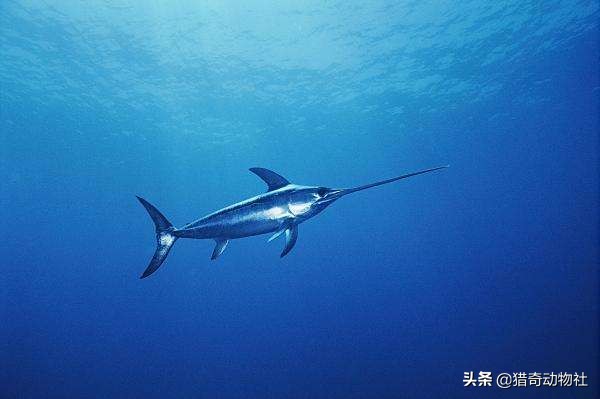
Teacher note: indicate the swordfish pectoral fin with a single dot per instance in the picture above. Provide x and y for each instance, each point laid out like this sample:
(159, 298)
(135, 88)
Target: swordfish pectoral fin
(291, 236)
(277, 234)
(274, 180)
(220, 246)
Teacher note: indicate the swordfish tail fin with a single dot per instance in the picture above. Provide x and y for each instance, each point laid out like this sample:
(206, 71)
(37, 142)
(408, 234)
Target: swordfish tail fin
(164, 237)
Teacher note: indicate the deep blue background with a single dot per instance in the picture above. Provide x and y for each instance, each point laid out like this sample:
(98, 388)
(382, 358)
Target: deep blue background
(490, 265)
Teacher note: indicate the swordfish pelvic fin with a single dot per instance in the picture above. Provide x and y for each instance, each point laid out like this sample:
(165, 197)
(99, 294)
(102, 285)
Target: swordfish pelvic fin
(220, 246)
(274, 180)
(291, 236)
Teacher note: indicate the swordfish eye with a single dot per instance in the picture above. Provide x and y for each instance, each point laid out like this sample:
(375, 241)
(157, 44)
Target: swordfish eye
(322, 191)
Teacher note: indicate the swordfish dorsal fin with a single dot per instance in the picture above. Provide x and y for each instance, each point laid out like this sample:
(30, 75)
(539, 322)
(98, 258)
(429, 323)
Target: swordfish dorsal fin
(273, 180)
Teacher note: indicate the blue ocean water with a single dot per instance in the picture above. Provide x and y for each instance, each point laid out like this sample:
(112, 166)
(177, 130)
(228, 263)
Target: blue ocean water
(490, 265)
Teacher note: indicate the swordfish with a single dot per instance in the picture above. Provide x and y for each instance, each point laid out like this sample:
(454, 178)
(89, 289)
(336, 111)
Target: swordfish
(278, 211)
